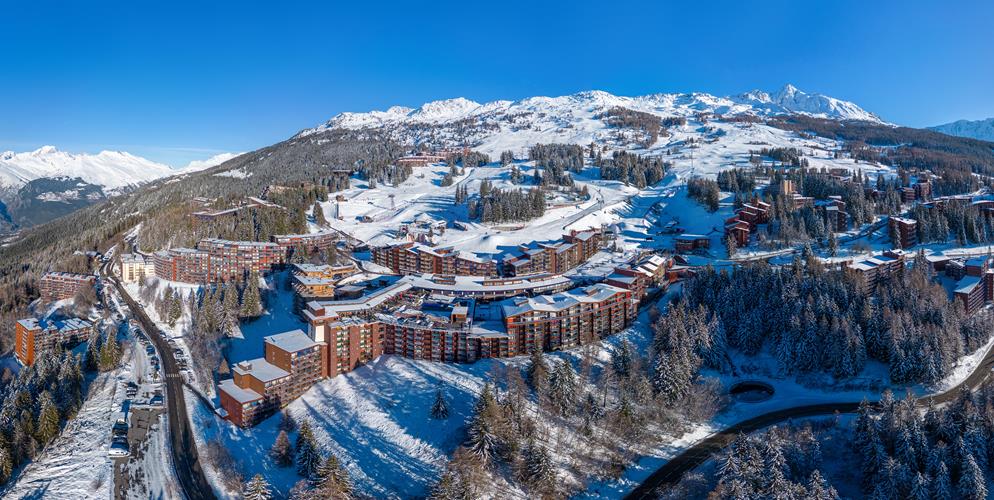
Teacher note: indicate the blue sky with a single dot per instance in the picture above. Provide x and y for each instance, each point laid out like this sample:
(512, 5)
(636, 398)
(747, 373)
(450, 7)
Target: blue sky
(176, 82)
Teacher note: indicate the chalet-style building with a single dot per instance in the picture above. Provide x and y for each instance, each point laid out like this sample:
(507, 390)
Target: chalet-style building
(691, 242)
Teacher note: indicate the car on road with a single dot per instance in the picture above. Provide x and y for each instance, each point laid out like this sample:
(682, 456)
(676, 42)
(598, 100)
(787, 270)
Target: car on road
(149, 350)
(156, 400)
(118, 449)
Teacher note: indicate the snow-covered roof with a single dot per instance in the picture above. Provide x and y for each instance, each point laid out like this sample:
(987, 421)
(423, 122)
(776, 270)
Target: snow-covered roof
(237, 393)
(559, 301)
(967, 284)
(365, 303)
(480, 284)
(292, 341)
(260, 369)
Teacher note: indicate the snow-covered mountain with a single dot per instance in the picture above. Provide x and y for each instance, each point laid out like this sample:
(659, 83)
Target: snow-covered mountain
(568, 110)
(110, 169)
(215, 160)
(976, 129)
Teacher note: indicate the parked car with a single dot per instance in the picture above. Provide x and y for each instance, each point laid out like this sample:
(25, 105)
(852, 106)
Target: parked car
(118, 449)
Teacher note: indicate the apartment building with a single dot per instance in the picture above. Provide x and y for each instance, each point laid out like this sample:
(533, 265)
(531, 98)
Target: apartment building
(691, 242)
(293, 362)
(319, 241)
(904, 232)
(33, 337)
(871, 271)
(411, 257)
(135, 268)
(574, 249)
(568, 319)
(60, 286)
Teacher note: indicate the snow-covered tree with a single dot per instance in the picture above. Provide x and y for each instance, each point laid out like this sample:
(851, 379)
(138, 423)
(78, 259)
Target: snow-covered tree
(972, 485)
(306, 449)
(537, 372)
(257, 489)
(564, 387)
(251, 300)
(281, 452)
(439, 409)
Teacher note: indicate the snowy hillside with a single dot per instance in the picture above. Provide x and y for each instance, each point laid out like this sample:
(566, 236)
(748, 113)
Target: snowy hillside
(976, 129)
(575, 118)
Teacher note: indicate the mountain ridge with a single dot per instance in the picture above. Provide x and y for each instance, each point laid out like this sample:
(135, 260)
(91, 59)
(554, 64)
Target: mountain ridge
(788, 99)
(974, 129)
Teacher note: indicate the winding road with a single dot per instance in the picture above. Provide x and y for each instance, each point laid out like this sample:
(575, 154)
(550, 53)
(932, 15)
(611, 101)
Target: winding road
(186, 463)
(673, 470)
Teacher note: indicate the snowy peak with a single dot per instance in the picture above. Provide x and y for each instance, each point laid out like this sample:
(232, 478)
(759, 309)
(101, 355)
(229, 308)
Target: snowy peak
(110, 169)
(792, 99)
(975, 129)
(789, 99)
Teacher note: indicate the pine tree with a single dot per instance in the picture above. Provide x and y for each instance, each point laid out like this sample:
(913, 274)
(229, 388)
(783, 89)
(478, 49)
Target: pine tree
(623, 358)
(308, 456)
(539, 471)
(332, 481)
(48, 419)
(537, 372)
(319, 215)
(942, 488)
(257, 489)
(482, 440)
(6, 463)
(110, 352)
(819, 489)
(287, 422)
(251, 301)
(281, 452)
(564, 387)
(972, 484)
(92, 359)
(919, 488)
(439, 409)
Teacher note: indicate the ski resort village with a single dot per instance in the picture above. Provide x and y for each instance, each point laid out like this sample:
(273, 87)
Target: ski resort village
(587, 296)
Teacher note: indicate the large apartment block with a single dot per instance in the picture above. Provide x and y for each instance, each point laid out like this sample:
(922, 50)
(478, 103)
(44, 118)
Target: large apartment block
(33, 337)
(216, 260)
(556, 258)
(568, 319)
(135, 268)
(411, 257)
(293, 362)
(872, 270)
(61, 286)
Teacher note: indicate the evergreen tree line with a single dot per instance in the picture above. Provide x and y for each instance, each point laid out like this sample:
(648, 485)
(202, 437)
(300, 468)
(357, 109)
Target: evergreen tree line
(817, 321)
(737, 180)
(960, 222)
(323, 475)
(34, 406)
(786, 156)
(954, 159)
(507, 205)
(612, 410)
(776, 464)
(648, 124)
(556, 161)
(632, 169)
(704, 191)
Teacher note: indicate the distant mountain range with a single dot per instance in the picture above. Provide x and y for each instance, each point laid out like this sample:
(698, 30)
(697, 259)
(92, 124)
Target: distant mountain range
(976, 129)
(40, 185)
(787, 100)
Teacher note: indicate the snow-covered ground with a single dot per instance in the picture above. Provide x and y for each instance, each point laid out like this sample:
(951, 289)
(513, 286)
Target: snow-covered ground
(76, 464)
